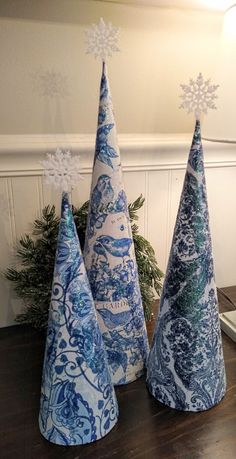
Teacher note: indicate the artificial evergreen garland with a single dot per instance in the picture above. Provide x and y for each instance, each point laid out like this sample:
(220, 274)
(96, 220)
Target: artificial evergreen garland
(33, 281)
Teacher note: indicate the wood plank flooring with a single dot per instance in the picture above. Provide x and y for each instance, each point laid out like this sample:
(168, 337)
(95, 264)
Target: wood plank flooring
(146, 429)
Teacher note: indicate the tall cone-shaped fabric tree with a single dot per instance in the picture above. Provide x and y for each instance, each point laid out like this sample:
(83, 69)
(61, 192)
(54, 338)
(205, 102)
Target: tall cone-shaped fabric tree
(110, 257)
(78, 403)
(186, 366)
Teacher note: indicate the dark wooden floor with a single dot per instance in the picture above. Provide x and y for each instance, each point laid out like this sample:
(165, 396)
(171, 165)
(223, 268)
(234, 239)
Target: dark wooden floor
(146, 429)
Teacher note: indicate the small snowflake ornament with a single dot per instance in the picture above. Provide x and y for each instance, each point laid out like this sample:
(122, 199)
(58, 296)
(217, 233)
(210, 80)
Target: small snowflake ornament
(62, 170)
(101, 40)
(198, 96)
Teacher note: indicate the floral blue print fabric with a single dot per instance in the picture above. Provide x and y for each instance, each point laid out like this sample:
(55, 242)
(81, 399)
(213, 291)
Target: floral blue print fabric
(110, 257)
(186, 367)
(78, 403)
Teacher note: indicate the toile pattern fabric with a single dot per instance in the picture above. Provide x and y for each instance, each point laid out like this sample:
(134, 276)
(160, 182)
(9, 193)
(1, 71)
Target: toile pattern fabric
(78, 403)
(110, 257)
(186, 366)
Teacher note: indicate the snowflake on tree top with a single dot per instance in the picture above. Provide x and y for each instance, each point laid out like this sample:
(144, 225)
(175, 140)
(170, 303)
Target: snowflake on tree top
(62, 170)
(198, 96)
(101, 39)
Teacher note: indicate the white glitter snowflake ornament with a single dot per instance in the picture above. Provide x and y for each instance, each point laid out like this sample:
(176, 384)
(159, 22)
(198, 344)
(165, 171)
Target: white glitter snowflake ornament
(198, 96)
(61, 170)
(101, 39)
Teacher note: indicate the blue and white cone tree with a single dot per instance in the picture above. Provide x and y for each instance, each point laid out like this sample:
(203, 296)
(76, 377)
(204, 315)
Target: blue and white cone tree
(109, 248)
(186, 366)
(78, 404)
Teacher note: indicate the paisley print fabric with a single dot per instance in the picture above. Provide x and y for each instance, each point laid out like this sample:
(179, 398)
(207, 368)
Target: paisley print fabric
(109, 255)
(78, 404)
(186, 366)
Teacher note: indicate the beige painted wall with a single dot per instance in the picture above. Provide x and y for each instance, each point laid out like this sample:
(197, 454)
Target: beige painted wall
(160, 49)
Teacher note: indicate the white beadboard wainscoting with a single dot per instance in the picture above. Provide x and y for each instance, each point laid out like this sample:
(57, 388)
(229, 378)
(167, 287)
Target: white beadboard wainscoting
(153, 165)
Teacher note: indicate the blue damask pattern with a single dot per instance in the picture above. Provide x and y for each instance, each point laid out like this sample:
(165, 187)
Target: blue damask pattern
(109, 255)
(186, 366)
(103, 203)
(78, 404)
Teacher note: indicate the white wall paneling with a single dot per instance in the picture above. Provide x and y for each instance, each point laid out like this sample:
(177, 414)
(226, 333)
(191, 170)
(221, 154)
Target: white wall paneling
(153, 165)
(157, 205)
(221, 198)
(135, 186)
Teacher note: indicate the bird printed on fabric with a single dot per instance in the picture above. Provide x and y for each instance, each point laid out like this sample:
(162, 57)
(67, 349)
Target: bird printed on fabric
(101, 197)
(112, 320)
(102, 193)
(116, 247)
(120, 204)
(104, 152)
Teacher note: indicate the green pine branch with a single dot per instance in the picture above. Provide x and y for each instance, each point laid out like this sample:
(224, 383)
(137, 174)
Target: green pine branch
(135, 206)
(36, 253)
